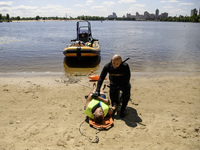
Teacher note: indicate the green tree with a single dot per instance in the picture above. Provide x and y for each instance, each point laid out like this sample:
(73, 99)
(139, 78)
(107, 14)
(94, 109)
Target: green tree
(37, 17)
(18, 18)
(194, 18)
(1, 17)
(7, 17)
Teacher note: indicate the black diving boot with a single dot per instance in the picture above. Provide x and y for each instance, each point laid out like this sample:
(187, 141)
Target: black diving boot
(122, 114)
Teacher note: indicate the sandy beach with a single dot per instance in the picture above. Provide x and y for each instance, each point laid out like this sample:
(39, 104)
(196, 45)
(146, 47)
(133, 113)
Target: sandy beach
(46, 112)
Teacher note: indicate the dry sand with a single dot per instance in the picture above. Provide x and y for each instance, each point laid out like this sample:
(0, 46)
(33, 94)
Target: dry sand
(45, 113)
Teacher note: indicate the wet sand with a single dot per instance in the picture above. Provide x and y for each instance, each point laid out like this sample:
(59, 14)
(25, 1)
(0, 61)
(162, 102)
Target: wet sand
(45, 113)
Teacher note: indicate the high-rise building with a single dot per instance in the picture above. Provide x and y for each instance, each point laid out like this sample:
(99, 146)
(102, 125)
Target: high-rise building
(146, 15)
(128, 15)
(157, 12)
(114, 15)
(193, 12)
(199, 11)
(137, 14)
(164, 15)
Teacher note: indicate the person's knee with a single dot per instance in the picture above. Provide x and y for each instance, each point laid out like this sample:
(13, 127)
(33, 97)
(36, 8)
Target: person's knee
(126, 96)
(126, 91)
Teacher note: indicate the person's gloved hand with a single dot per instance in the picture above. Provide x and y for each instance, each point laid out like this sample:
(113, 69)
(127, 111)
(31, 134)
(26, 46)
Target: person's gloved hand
(95, 94)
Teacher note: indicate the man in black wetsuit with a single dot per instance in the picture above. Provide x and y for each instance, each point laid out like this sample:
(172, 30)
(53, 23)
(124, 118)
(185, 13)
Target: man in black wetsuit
(119, 76)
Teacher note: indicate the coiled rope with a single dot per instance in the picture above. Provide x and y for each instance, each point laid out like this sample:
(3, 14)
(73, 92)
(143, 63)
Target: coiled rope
(95, 139)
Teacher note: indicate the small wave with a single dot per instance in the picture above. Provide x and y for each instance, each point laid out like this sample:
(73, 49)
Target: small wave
(5, 40)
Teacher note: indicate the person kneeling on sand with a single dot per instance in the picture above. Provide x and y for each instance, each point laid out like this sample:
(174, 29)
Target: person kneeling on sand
(119, 76)
(99, 107)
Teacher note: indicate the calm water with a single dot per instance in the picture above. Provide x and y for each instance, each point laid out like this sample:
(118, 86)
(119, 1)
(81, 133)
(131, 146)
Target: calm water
(36, 47)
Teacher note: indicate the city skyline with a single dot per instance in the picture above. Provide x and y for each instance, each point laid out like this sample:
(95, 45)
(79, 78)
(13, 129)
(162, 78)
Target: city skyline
(62, 8)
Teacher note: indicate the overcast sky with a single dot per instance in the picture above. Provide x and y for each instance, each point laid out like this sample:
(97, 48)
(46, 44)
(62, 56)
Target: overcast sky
(74, 8)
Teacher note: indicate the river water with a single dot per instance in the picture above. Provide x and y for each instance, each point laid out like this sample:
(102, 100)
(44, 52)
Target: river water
(153, 47)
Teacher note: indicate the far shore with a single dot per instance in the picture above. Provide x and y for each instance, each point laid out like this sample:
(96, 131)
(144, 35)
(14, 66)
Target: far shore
(40, 20)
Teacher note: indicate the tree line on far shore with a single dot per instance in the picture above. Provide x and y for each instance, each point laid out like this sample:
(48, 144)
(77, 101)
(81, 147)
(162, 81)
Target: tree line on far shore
(7, 18)
(194, 18)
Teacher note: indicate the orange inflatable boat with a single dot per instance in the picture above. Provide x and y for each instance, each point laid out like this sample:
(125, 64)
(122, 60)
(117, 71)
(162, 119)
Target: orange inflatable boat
(84, 46)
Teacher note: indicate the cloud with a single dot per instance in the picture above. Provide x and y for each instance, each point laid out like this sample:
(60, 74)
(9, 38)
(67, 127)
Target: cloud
(136, 8)
(186, 3)
(108, 3)
(178, 12)
(32, 11)
(24, 11)
(53, 8)
(5, 9)
(22, 8)
(56, 10)
(6, 4)
(173, 1)
(98, 8)
(138, 5)
(168, 7)
(78, 5)
(127, 1)
(163, 1)
(89, 2)
(74, 13)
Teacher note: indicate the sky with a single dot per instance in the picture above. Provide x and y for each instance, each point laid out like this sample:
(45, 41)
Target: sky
(74, 8)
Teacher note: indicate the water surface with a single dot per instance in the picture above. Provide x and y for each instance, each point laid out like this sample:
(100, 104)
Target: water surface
(36, 47)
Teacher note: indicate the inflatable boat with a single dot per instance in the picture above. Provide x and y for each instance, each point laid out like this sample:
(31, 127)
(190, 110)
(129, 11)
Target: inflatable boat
(84, 45)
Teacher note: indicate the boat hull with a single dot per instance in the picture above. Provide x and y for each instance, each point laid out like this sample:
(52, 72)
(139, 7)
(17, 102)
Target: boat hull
(82, 50)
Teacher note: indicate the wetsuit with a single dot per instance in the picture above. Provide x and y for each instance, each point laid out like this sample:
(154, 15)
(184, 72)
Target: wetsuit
(119, 79)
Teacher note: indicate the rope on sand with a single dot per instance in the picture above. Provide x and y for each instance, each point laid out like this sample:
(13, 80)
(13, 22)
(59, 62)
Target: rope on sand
(96, 138)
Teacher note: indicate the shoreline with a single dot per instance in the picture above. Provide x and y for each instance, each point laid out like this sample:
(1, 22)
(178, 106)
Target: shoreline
(45, 113)
(36, 21)
(84, 73)
(100, 20)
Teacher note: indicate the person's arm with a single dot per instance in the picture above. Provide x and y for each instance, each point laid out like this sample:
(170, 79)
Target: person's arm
(107, 101)
(111, 110)
(102, 77)
(88, 100)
